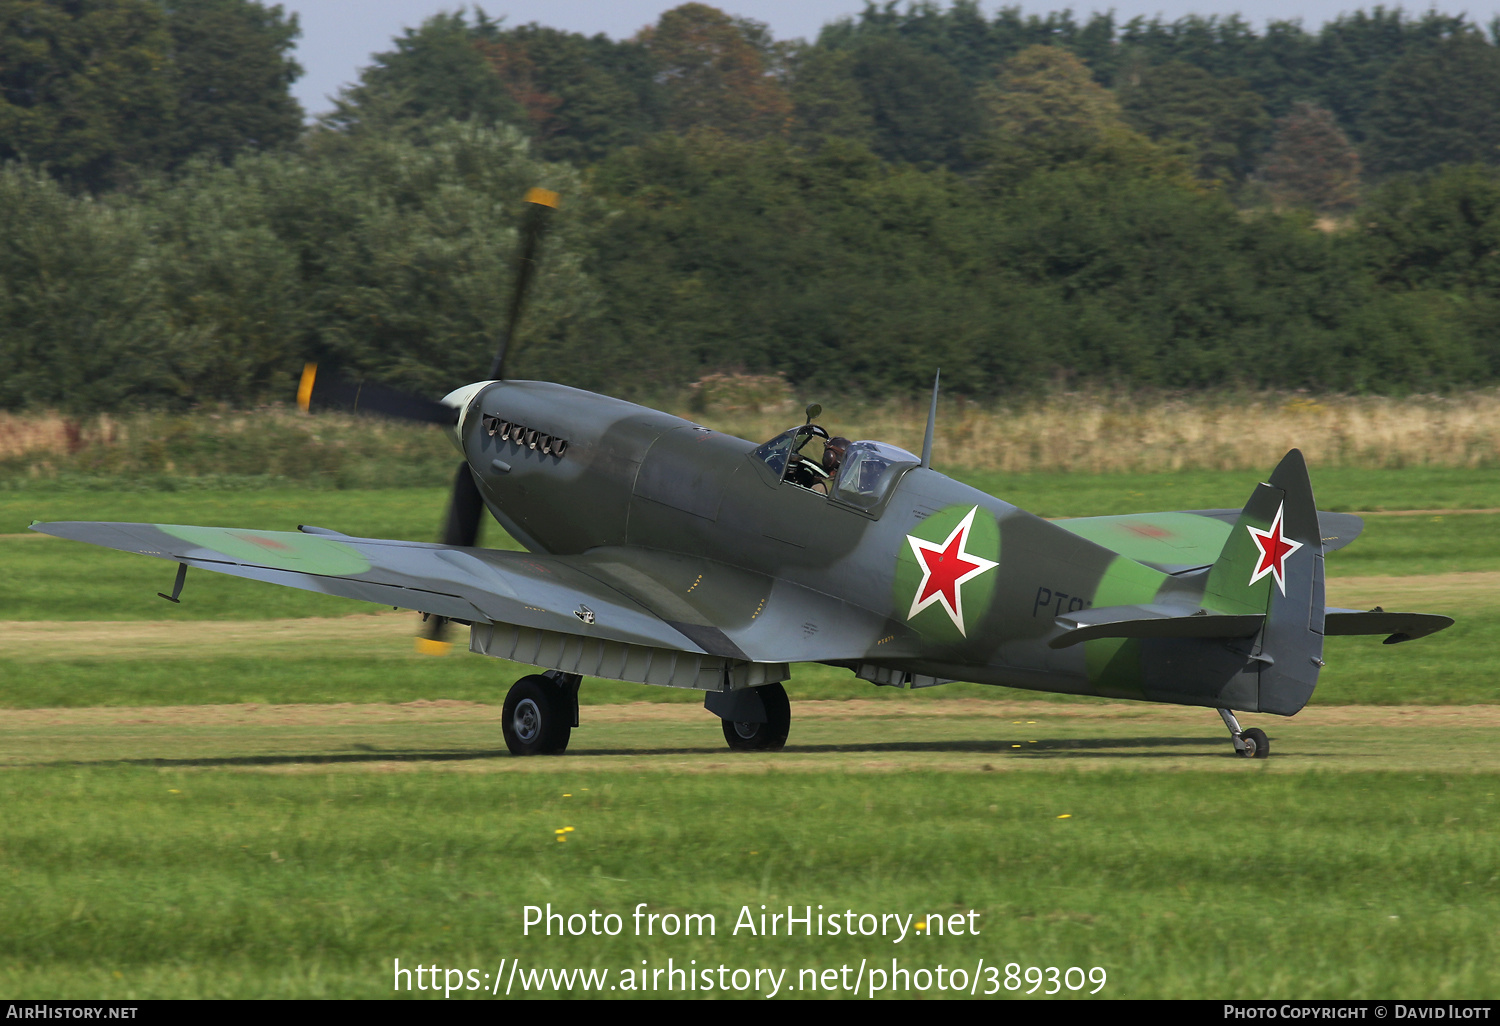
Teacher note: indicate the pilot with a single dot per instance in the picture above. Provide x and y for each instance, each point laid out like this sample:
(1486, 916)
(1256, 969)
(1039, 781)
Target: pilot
(833, 453)
(833, 457)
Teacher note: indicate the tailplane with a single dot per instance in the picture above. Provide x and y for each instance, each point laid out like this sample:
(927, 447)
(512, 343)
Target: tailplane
(1246, 633)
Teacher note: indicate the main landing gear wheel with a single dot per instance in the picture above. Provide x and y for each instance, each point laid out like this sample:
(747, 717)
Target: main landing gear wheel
(763, 737)
(537, 718)
(1257, 745)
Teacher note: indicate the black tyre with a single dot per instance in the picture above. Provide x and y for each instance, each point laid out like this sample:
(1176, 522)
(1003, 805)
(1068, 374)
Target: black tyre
(1257, 745)
(536, 720)
(763, 737)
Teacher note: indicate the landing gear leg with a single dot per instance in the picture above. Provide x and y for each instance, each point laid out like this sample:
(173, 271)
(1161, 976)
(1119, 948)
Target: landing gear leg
(1250, 744)
(540, 713)
(755, 719)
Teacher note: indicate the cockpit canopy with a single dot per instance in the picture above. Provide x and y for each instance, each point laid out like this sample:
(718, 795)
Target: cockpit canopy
(865, 477)
(869, 472)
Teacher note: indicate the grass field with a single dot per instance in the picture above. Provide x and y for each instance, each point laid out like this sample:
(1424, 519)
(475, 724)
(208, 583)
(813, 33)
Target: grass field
(297, 852)
(265, 793)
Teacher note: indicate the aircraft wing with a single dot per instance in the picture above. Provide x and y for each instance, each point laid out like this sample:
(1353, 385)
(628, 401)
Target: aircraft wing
(624, 597)
(1188, 539)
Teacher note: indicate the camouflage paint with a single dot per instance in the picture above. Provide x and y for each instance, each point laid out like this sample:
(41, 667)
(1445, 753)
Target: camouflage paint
(1114, 664)
(1229, 589)
(1171, 538)
(283, 550)
(983, 540)
(682, 539)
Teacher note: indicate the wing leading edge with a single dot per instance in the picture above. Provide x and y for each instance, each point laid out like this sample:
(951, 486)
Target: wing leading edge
(625, 598)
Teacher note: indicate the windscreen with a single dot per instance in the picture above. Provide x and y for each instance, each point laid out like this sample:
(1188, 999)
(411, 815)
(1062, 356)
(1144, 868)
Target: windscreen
(775, 452)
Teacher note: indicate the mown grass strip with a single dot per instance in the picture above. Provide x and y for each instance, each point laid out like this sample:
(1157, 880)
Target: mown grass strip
(137, 882)
(1010, 734)
(1460, 666)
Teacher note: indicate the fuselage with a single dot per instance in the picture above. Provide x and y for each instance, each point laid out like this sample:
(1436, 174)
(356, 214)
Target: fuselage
(568, 472)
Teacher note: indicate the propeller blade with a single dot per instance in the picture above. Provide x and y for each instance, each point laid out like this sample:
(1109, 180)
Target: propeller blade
(329, 392)
(460, 528)
(465, 510)
(538, 215)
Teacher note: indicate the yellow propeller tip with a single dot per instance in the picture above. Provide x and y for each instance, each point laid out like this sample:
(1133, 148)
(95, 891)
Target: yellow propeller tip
(304, 389)
(426, 646)
(542, 197)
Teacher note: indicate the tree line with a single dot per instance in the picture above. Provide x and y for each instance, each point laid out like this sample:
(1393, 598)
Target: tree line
(1029, 202)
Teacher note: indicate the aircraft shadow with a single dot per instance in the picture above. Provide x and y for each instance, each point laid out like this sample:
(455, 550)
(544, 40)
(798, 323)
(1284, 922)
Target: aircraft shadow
(1071, 746)
(288, 760)
(1137, 747)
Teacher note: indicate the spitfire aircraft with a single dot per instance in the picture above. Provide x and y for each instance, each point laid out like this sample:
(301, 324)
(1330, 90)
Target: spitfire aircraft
(662, 552)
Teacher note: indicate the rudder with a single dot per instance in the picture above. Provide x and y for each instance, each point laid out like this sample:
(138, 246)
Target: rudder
(1273, 562)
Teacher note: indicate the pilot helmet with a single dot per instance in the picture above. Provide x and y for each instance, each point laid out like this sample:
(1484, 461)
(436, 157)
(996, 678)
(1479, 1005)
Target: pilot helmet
(833, 452)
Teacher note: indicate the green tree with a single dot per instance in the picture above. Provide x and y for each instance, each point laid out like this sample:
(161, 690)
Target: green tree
(1352, 53)
(1311, 162)
(1045, 110)
(437, 73)
(83, 326)
(1440, 232)
(234, 71)
(101, 91)
(1046, 97)
(1114, 279)
(961, 36)
(1438, 106)
(85, 87)
(404, 251)
(1433, 241)
(1221, 122)
(826, 99)
(584, 97)
(832, 267)
(922, 108)
(380, 257)
(713, 72)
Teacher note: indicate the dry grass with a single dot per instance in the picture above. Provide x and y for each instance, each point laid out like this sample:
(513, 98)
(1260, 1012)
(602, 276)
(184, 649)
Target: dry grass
(1091, 433)
(270, 442)
(1071, 433)
(37, 434)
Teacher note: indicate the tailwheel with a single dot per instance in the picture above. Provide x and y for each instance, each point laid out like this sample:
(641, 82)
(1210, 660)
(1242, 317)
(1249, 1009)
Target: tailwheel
(537, 718)
(767, 736)
(1248, 744)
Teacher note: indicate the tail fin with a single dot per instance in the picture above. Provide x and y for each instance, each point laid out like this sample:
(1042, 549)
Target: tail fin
(1273, 563)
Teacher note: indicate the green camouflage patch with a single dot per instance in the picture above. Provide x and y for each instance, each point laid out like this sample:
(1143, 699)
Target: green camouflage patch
(280, 550)
(945, 576)
(1114, 664)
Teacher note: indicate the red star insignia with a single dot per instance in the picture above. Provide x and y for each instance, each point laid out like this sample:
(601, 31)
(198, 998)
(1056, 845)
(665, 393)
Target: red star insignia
(1274, 548)
(946, 566)
(265, 543)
